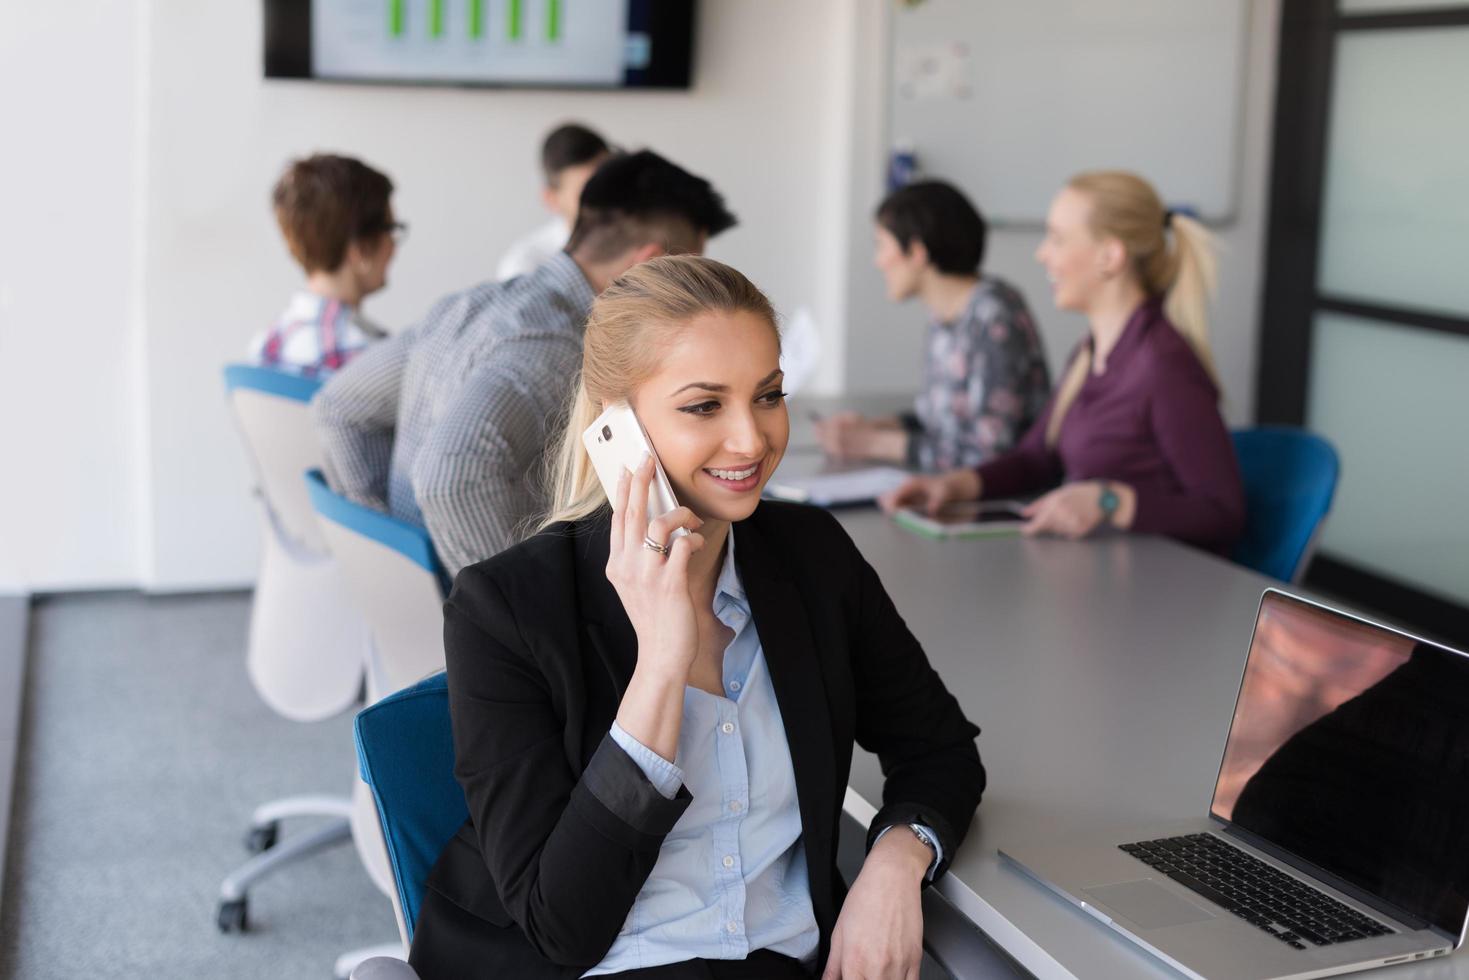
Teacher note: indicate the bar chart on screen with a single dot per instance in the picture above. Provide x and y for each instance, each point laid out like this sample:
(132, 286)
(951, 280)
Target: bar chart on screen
(581, 42)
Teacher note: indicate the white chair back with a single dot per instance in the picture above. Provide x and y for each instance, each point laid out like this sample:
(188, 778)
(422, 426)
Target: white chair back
(273, 412)
(307, 641)
(394, 577)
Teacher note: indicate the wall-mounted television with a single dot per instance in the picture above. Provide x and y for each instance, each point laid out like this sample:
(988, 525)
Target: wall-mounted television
(602, 44)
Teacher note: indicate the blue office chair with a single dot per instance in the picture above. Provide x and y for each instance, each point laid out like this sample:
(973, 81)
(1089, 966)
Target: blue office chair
(1289, 476)
(405, 749)
(393, 576)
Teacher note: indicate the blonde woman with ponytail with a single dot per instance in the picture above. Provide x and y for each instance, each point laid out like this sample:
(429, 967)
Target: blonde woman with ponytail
(654, 733)
(1132, 438)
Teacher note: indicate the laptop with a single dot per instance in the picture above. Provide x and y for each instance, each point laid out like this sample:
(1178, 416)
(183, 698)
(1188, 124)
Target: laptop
(1337, 838)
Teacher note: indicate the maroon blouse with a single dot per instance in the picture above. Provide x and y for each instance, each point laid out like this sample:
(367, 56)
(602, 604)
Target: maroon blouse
(1151, 421)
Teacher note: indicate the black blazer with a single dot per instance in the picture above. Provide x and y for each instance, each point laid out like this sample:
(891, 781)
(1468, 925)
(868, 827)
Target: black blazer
(564, 828)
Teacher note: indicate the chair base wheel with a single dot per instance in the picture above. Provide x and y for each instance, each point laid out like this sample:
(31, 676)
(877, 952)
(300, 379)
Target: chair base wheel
(231, 916)
(262, 838)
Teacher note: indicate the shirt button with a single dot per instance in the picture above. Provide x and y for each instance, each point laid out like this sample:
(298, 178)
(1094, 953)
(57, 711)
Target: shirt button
(731, 927)
(728, 861)
(734, 685)
(727, 728)
(735, 806)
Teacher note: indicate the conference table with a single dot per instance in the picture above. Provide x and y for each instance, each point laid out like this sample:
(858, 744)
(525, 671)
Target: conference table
(1103, 675)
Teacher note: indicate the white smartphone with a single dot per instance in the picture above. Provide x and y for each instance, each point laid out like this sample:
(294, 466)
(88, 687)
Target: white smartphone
(616, 442)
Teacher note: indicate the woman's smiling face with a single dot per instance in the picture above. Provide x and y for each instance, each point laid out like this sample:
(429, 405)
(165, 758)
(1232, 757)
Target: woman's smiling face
(716, 414)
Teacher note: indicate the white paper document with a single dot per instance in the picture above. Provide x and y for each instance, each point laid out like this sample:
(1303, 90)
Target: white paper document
(838, 489)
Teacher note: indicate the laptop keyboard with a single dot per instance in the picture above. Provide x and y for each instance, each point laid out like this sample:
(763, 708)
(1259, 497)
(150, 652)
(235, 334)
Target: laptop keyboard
(1286, 908)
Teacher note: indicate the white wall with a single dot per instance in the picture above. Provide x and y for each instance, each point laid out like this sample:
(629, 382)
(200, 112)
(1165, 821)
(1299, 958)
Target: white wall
(68, 295)
(140, 254)
(757, 123)
(880, 336)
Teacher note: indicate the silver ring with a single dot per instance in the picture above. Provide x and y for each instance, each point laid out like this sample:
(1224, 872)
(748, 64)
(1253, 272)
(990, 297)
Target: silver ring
(652, 545)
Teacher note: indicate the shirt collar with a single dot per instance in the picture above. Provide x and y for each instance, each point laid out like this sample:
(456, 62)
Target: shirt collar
(561, 274)
(729, 585)
(966, 314)
(306, 305)
(1133, 332)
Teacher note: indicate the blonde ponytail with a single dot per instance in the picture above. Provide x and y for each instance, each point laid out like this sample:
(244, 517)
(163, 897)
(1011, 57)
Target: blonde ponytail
(1126, 207)
(1188, 291)
(628, 329)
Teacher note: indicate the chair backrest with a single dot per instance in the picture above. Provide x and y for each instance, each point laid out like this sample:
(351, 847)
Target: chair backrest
(395, 578)
(272, 409)
(405, 749)
(1289, 476)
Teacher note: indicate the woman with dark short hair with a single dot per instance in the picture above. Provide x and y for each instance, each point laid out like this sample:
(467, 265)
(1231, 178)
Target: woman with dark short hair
(1133, 439)
(336, 216)
(985, 377)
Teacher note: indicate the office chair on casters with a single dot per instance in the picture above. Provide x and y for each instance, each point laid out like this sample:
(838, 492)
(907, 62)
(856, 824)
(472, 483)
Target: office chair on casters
(394, 577)
(305, 652)
(405, 749)
(1289, 476)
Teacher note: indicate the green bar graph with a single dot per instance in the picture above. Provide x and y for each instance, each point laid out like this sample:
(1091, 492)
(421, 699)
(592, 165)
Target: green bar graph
(475, 16)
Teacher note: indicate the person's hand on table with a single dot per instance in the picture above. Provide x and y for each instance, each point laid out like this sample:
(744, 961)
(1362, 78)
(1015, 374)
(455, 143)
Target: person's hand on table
(848, 435)
(929, 493)
(1075, 510)
(879, 934)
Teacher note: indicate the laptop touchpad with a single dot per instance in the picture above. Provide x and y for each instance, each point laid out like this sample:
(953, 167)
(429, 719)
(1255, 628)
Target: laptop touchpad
(1147, 904)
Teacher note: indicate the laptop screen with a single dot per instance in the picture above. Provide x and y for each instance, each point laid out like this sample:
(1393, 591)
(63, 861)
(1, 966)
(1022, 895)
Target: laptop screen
(1350, 749)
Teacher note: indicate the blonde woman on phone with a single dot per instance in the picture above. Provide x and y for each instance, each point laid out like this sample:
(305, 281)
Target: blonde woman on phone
(654, 732)
(1132, 438)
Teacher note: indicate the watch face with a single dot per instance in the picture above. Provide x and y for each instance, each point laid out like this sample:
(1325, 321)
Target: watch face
(1108, 500)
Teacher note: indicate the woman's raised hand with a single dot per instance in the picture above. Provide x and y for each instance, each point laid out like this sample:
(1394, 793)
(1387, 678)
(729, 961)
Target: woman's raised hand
(654, 586)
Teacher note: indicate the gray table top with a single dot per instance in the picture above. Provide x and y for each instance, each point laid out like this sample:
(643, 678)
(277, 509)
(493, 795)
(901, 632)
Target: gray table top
(1103, 674)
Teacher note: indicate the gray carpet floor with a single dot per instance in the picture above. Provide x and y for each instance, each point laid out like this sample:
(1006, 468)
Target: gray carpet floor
(143, 750)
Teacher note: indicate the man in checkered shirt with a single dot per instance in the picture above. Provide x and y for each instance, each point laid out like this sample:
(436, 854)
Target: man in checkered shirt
(445, 425)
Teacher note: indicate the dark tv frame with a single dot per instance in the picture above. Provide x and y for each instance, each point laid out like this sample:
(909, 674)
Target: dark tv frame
(668, 23)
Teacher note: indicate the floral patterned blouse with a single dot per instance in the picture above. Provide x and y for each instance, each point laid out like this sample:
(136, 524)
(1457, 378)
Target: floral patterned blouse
(984, 381)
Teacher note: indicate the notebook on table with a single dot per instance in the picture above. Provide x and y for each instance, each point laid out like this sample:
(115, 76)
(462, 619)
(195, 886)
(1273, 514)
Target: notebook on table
(843, 488)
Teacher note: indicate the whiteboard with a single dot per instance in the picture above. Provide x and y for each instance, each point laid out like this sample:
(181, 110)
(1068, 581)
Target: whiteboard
(1008, 98)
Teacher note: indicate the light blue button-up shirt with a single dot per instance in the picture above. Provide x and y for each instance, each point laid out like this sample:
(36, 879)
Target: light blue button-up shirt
(731, 876)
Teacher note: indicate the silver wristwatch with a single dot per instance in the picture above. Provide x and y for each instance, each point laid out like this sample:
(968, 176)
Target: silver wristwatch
(924, 836)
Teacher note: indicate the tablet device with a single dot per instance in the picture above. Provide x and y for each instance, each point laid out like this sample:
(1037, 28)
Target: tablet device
(969, 519)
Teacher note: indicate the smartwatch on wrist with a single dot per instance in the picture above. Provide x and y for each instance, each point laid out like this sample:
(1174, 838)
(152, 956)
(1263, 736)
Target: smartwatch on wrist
(1108, 501)
(923, 836)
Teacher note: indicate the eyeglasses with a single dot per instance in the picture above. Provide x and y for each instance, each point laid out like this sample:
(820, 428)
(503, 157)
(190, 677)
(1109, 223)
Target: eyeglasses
(399, 231)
